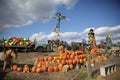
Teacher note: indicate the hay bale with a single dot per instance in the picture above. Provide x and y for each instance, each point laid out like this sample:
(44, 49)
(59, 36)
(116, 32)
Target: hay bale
(60, 48)
(65, 68)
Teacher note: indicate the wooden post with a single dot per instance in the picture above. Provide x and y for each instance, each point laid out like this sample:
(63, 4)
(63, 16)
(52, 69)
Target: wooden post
(89, 70)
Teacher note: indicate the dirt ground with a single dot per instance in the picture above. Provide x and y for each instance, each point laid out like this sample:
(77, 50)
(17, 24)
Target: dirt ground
(29, 57)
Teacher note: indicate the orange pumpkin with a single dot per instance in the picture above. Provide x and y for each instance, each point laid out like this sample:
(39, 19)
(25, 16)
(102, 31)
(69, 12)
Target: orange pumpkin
(50, 58)
(56, 68)
(66, 52)
(64, 57)
(66, 61)
(41, 59)
(58, 61)
(45, 59)
(79, 52)
(61, 55)
(92, 61)
(81, 60)
(44, 68)
(50, 69)
(104, 58)
(63, 62)
(74, 61)
(73, 53)
(19, 69)
(85, 59)
(71, 66)
(68, 56)
(72, 56)
(38, 70)
(98, 56)
(14, 68)
(39, 65)
(70, 61)
(60, 66)
(33, 69)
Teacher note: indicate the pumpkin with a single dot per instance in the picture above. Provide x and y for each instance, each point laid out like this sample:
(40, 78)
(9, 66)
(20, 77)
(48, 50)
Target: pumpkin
(73, 53)
(98, 56)
(66, 61)
(66, 52)
(53, 61)
(50, 58)
(44, 68)
(45, 59)
(85, 59)
(63, 62)
(26, 68)
(92, 61)
(41, 59)
(60, 66)
(104, 58)
(68, 56)
(70, 61)
(56, 68)
(95, 51)
(58, 61)
(71, 66)
(74, 61)
(61, 54)
(21, 43)
(14, 68)
(72, 56)
(33, 69)
(56, 57)
(64, 57)
(39, 65)
(79, 52)
(82, 56)
(38, 70)
(50, 69)
(81, 60)
(19, 69)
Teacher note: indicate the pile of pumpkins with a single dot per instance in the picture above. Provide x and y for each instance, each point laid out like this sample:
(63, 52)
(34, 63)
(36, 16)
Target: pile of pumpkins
(71, 59)
(14, 41)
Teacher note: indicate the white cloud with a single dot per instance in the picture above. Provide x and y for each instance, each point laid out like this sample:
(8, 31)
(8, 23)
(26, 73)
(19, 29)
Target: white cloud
(71, 35)
(17, 13)
(52, 36)
(100, 34)
(107, 30)
(41, 37)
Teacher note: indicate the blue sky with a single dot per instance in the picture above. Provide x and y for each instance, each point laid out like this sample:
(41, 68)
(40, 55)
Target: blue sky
(31, 19)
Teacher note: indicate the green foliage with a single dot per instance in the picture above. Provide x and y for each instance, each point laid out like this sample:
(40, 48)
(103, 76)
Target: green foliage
(68, 47)
(75, 47)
